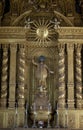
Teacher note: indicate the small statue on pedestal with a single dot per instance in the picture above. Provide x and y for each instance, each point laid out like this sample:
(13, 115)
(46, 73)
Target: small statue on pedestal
(42, 72)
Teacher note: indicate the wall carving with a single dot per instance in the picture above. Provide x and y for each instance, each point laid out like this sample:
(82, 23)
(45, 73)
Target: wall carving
(10, 120)
(43, 28)
(50, 50)
(81, 121)
(71, 120)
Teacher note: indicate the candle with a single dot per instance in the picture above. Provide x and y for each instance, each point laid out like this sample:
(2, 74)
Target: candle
(34, 106)
(49, 107)
(26, 105)
(57, 106)
(16, 108)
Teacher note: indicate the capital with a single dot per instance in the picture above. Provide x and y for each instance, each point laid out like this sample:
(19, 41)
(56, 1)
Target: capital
(61, 47)
(13, 47)
(78, 47)
(70, 46)
(21, 46)
(5, 47)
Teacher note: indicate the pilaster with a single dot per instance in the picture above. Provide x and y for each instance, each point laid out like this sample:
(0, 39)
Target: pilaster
(12, 77)
(70, 84)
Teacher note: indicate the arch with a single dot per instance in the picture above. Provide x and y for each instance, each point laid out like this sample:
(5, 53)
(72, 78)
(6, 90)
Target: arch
(43, 51)
(27, 13)
(20, 17)
(64, 18)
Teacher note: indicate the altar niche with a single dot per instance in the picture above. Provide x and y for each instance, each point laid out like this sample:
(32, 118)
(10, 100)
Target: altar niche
(42, 87)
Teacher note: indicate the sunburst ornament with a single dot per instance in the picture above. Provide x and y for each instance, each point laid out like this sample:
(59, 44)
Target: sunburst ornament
(42, 30)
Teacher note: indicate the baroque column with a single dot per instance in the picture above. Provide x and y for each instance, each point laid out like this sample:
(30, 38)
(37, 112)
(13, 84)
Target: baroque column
(70, 83)
(78, 76)
(12, 77)
(61, 97)
(21, 75)
(4, 76)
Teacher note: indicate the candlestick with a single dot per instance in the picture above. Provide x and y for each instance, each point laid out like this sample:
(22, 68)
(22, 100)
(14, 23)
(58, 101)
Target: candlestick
(48, 125)
(34, 112)
(66, 117)
(16, 115)
(26, 116)
(34, 121)
(57, 117)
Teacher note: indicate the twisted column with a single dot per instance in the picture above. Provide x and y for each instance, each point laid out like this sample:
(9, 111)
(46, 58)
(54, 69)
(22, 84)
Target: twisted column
(21, 75)
(61, 97)
(4, 77)
(78, 76)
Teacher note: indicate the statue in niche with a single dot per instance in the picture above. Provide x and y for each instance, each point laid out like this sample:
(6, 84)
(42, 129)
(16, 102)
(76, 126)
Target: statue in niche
(41, 103)
(41, 72)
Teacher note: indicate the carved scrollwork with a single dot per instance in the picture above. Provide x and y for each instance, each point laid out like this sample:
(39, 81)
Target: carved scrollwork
(10, 120)
(71, 120)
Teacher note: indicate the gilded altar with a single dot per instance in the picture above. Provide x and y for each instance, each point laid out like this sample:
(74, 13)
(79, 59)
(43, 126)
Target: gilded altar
(54, 94)
(63, 57)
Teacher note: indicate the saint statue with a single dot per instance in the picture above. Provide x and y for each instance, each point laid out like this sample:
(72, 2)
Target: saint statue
(41, 73)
